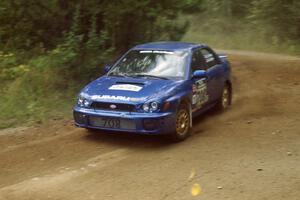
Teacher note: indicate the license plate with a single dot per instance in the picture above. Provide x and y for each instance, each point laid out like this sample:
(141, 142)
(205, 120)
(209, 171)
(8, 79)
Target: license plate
(113, 123)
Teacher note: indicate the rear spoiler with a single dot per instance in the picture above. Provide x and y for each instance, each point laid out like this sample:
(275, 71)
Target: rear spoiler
(222, 56)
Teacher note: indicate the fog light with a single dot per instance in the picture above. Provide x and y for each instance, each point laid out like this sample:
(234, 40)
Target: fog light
(150, 124)
(79, 118)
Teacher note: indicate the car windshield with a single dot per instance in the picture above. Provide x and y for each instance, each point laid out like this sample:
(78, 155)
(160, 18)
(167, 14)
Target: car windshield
(154, 64)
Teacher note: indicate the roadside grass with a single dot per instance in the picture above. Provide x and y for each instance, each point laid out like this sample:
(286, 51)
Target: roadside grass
(22, 103)
(28, 111)
(36, 94)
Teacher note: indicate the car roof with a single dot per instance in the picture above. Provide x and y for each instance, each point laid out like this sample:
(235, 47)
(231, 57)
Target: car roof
(170, 46)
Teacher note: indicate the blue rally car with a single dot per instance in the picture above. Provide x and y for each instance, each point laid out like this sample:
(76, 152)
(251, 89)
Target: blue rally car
(156, 88)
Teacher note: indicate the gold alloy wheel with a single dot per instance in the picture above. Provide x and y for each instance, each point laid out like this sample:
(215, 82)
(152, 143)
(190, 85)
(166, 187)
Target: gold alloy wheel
(225, 97)
(182, 122)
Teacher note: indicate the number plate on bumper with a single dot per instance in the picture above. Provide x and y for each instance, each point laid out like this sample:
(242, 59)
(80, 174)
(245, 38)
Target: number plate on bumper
(112, 122)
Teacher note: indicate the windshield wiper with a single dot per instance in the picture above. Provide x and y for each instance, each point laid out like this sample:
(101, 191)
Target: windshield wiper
(148, 75)
(119, 75)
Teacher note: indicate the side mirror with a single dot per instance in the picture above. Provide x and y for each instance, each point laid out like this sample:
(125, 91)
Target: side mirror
(106, 68)
(199, 74)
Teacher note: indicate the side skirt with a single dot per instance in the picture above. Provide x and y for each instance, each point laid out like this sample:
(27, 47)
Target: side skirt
(203, 110)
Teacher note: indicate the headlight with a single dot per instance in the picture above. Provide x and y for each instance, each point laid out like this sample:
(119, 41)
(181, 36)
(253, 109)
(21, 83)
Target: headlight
(146, 107)
(150, 107)
(83, 102)
(154, 106)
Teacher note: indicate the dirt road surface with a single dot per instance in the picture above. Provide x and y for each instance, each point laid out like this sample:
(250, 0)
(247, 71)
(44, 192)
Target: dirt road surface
(248, 152)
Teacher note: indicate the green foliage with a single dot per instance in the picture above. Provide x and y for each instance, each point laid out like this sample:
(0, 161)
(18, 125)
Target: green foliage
(282, 18)
(193, 6)
(56, 47)
(28, 23)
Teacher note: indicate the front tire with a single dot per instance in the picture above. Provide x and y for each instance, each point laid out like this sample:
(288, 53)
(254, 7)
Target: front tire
(90, 130)
(182, 128)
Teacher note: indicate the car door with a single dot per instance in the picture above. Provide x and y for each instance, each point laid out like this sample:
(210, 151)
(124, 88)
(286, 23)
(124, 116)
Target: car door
(200, 85)
(214, 73)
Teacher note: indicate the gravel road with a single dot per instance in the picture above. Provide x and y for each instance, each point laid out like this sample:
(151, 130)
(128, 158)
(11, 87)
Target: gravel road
(249, 152)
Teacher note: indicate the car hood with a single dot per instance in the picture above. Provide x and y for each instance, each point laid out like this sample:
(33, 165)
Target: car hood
(127, 89)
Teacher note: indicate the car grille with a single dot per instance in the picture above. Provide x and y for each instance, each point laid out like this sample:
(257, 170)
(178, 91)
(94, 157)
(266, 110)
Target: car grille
(113, 106)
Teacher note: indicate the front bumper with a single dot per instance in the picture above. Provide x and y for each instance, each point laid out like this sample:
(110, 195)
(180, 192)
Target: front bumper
(144, 123)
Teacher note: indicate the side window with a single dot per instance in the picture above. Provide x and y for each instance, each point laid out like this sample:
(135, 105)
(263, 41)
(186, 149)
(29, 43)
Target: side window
(198, 61)
(209, 57)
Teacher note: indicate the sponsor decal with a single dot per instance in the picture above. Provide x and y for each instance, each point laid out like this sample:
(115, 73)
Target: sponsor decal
(112, 97)
(163, 52)
(200, 95)
(113, 106)
(126, 87)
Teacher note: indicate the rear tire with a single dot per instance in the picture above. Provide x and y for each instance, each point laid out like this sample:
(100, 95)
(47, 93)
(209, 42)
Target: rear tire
(182, 129)
(224, 101)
